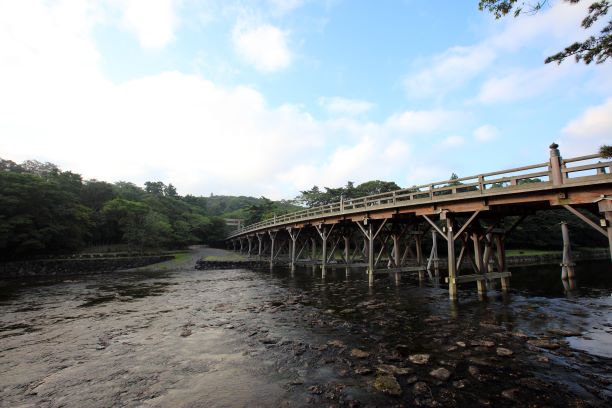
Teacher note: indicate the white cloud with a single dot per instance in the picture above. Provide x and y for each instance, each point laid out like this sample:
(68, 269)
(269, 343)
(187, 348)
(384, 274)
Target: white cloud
(424, 121)
(285, 6)
(450, 70)
(522, 83)
(592, 128)
(453, 141)
(345, 106)
(264, 47)
(153, 22)
(486, 133)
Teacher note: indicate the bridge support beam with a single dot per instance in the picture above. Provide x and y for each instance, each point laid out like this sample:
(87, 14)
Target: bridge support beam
(250, 239)
(293, 235)
(272, 235)
(452, 266)
(260, 247)
(605, 207)
(567, 265)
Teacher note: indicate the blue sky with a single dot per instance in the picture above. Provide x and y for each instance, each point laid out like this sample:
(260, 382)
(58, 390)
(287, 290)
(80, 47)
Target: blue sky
(271, 97)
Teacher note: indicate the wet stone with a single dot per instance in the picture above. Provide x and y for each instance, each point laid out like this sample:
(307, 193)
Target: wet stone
(336, 343)
(421, 388)
(564, 333)
(419, 358)
(363, 371)
(393, 370)
(388, 385)
(544, 343)
(441, 374)
(459, 384)
(359, 353)
(510, 394)
(504, 352)
(412, 379)
(482, 343)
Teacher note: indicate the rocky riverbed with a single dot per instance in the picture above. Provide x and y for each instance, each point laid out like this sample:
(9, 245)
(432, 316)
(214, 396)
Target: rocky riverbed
(246, 337)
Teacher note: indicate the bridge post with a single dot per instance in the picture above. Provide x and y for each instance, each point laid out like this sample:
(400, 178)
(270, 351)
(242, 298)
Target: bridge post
(240, 239)
(313, 248)
(452, 265)
(370, 244)
(433, 256)
(556, 175)
(250, 239)
(294, 237)
(567, 266)
(272, 235)
(396, 258)
(478, 258)
(605, 207)
(347, 248)
(259, 239)
(419, 255)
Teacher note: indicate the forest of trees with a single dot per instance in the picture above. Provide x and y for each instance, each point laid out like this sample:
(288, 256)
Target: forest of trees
(47, 211)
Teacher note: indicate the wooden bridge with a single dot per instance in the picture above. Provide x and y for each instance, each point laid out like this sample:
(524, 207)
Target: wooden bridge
(386, 232)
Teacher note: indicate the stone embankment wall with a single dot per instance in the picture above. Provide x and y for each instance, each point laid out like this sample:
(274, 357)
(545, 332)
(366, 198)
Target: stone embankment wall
(64, 267)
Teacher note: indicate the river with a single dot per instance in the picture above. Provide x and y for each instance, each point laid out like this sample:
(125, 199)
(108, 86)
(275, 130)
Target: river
(177, 337)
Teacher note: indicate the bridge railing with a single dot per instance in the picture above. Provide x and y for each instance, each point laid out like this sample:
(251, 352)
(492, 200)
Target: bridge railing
(535, 176)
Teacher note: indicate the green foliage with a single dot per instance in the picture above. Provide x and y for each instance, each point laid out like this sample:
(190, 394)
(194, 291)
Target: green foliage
(315, 197)
(37, 216)
(595, 48)
(46, 211)
(605, 151)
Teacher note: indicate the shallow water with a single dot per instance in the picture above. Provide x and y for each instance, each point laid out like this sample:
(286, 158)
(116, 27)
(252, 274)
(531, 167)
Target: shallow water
(262, 338)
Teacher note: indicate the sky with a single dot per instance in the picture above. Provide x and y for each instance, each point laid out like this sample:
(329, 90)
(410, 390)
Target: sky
(270, 97)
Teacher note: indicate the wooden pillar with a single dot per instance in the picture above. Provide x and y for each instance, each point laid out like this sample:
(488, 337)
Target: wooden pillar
(370, 244)
(419, 255)
(347, 249)
(434, 253)
(501, 259)
(396, 256)
(272, 235)
(478, 259)
(294, 236)
(259, 238)
(605, 207)
(240, 245)
(250, 239)
(556, 175)
(567, 266)
(313, 248)
(452, 266)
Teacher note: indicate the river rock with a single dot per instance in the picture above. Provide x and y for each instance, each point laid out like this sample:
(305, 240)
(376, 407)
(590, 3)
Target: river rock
(359, 353)
(419, 358)
(564, 333)
(363, 371)
(504, 352)
(336, 343)
(544, 343)
(510, 394)
(388, 385)
(393, 370)
(421, 388)
(482, 343)
(441, 374)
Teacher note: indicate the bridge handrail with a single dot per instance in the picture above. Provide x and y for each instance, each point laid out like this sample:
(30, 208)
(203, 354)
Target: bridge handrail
(480, 184)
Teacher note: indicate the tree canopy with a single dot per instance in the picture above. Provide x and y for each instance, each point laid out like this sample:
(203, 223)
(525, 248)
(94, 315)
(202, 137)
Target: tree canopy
(594, 48)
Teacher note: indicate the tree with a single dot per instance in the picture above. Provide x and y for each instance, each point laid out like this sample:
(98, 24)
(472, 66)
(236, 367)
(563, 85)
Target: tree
(595, 48)
(605, 151)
